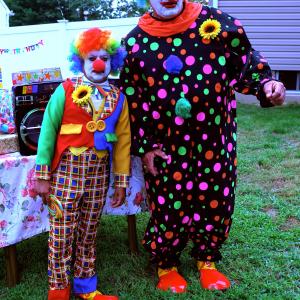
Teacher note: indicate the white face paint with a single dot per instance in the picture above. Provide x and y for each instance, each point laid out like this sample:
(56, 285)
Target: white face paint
(89, 66)
(166, 9)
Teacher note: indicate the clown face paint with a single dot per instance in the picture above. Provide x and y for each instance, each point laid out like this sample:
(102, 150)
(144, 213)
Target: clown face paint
(166, 9)
(96, 66)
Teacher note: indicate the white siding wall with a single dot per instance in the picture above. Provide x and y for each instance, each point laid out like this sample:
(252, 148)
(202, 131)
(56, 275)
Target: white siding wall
(273, 28)
(4, 15)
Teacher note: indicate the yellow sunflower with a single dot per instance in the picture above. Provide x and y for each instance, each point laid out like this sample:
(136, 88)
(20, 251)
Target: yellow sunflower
(82, 94)
(210, 29)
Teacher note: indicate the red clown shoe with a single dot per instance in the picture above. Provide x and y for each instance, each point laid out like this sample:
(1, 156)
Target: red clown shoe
(210, 278)
(171, 280)
(96, 296)
(63, 294)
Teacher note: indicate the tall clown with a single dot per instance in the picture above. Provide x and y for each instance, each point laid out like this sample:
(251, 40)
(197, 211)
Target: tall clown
(184, 63)
(85, 128)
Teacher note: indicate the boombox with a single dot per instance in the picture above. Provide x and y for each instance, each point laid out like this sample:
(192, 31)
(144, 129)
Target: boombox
(30, 103)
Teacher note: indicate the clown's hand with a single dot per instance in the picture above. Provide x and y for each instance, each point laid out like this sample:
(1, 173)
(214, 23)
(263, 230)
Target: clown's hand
(42, 187)
(119, 197)
(275, 92)
(148, 160)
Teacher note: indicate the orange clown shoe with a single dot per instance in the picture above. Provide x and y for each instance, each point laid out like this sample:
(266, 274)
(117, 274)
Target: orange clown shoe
(169, 279)
(95, 296)
(210, 278)
(63, 294)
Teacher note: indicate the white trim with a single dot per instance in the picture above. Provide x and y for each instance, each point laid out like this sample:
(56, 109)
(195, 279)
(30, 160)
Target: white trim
(215, 3)
(6, 16)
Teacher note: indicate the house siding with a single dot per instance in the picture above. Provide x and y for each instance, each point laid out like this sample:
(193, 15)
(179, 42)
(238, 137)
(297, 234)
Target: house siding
(273, 28)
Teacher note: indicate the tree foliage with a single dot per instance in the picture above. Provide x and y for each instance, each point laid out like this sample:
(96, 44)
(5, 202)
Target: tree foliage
(31, 12)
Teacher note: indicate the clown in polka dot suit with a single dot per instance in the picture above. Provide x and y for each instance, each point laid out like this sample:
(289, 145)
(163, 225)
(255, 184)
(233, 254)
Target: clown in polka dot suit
(184, 62)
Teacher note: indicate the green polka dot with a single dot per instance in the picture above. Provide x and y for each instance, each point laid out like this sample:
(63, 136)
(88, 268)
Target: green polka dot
(235, 42)
(141, 150)
(171, 196)
(181, 229)
(152, 97)
(154, 46)
(152, 229)
(166, 77)
(206, 92)
(216, 188)
(164, 164)
(199, 147)
(182, 150)
(234, 136)
(144, 51)
(176, 80)
(145, 40)
(177, 204)
(131, 41)
(177, 42)
(163, 227)
(207, 170)
(222, 60)
(168, 113)
(188, 73)
(222, 152)
(217, 120)
(127, 70)
(130, 91)
(165, 178)
(211, 111)
(199, 77)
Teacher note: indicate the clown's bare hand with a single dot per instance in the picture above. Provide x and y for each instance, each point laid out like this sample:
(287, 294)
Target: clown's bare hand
(42, 187)
(148, 160)
(275, 92)
(119, 197)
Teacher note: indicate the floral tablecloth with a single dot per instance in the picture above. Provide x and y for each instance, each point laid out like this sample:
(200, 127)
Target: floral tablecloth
(22, 213)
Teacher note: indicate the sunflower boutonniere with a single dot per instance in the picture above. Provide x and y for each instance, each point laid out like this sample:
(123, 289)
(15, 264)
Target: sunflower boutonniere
(210, 29)
(82, 94)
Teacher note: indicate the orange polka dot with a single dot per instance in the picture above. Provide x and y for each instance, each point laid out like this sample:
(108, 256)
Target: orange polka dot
(169, 40)
(150, 81)
(214, 203)
(153, 245)
(206, 41)
(134, 105)
(260, 66)
(226, 222)
(218, 87)
(189, 197)
(201, 197)
(136, 77)
(192, 35)
(182, 51)
(214, 238)
(177, 176)
(217, 218)
(173, 147)
(157, 182)
(240, 30)
(209, 155)
(181, 214)
(160, 126)
(173, 102)
(235, 162)
(160, 55)
(212, 55)
(195, 99)
(224, 34)
(169, 234)
(207, 81)
(224, 175)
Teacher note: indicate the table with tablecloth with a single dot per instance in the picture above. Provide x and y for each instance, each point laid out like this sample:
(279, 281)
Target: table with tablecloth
(23, 215)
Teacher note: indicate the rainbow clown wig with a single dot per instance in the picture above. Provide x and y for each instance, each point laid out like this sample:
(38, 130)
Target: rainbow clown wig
(95, 39)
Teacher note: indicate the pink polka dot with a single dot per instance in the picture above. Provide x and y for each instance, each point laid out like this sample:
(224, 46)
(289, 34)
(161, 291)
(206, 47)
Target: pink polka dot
(153, 69)
(199, 163)
(207, 69)
(217, 167)
(176, 242)
(229, 147)
(196, 217)
(209, 227)
(169, 160)
(202, 247)
(187, 137)
(135, 48)
(178, 187)
(189, 185)
(190, 60)
(237, 23)
(161, 200)
(226, 191)
(203, 186)
(155, 115)
(173, 89)
(142, 64)
(185, 88)
(204, 136)
(162, 93)
(203, 12)
(166, 217)
(159, 240)
(224, 76)
(219, 99)
(193, 25)
(196, 86)
(185, 220)
(201, 116)
(141, 132)
(233, 103)
(179, 120)
(184, 165)
(145, 106)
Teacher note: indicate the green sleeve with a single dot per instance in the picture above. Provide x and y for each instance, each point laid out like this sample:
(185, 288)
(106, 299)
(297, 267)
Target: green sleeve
(50, 127)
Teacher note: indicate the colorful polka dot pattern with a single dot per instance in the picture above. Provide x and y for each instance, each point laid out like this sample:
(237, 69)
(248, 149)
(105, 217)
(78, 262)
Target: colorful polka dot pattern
(193, 195)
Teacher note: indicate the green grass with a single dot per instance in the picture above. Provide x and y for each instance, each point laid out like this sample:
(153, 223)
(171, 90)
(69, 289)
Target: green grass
(261, 256)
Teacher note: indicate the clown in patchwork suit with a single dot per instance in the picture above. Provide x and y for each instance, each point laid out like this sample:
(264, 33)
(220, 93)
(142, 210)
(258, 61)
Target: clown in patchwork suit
(85, 129)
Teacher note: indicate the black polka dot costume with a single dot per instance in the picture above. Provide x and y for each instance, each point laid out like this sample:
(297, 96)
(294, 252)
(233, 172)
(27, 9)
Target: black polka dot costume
(180, 94)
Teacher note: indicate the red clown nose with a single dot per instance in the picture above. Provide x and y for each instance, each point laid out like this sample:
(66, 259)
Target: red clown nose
(99, 65)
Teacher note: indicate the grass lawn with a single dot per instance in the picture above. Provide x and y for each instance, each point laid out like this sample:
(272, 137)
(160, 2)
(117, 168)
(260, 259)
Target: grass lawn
(261, 256)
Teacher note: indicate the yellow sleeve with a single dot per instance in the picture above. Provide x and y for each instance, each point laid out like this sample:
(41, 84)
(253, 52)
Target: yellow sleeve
(121, 153)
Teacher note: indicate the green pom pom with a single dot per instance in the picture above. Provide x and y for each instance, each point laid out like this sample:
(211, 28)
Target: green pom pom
(183, 108)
